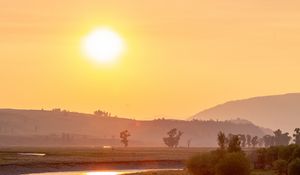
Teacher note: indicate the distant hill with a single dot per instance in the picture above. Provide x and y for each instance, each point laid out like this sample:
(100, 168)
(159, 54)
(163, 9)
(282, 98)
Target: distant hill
(52, 128)
(279, 111)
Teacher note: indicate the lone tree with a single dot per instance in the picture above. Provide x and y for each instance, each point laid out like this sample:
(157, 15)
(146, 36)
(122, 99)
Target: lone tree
(173, 139)
(297, 136)
(124, 137)
(222, 140)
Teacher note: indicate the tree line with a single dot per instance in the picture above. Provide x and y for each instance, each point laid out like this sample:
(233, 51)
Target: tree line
(278, 139)
(230, 159)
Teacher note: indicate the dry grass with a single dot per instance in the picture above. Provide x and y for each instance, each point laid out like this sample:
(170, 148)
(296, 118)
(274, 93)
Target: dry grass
(94, 154)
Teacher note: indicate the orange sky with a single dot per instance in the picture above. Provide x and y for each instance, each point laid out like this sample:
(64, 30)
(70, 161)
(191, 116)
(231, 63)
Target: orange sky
(182, 56)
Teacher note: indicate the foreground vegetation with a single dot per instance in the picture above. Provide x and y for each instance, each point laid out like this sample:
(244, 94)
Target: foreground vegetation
(229, 159)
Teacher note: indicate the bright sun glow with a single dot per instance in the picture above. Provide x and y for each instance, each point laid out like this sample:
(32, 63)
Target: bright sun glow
(102, 173)
(103, 45)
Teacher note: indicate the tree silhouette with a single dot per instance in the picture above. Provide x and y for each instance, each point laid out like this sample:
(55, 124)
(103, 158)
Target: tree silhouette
(124, 137)
(173, 139)
(254, 141)
(234, 144)
(249, 138)
(297, 136)
(222, 140)
(100, 113)
(243, 140)
(268, 140)
(281, 138)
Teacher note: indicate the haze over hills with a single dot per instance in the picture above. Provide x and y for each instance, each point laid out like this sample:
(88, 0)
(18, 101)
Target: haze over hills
(51, 128)
(278, 111)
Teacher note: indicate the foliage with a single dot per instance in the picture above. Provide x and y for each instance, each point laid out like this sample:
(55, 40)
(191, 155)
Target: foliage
(222, 140)
(268, 140)
(100, 113)
(173, 139)
(259, 159)
(280, 166)
(243, 140)
(281, 138)
(202, 164)
(294, 167)
(286, 152)
(254, 141)
(296, 153)
(281, 158)
(233, 163)
(124, 137)
(248, 138)
(297, 136)
(234, 144)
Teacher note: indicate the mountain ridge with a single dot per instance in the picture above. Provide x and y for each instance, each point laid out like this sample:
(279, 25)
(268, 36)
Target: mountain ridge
(262, 110)
(59, 127)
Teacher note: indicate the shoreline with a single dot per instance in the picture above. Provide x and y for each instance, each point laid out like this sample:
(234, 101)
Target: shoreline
(18, 169)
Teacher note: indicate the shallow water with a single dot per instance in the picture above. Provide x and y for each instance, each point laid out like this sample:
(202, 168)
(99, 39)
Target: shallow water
(32, 154)
(119, 172)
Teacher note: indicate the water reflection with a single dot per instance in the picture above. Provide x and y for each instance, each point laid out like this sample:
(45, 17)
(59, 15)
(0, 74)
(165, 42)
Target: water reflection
(103, 173)
(121, 172)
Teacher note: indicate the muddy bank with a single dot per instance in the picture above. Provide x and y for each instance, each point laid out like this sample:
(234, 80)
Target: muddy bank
(17, 169)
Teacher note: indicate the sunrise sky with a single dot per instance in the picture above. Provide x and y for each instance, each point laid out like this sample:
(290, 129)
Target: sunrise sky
(180, 57)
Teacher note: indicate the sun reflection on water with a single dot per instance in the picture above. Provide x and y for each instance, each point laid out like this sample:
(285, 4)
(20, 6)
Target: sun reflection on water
(102, 173)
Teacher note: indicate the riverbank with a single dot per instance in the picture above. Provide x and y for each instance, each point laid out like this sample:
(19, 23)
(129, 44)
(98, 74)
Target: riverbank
(38, 160)
(42, 155)
(13, 169)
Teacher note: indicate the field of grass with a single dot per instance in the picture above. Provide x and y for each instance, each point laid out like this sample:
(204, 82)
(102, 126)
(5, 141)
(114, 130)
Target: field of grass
(94, 155)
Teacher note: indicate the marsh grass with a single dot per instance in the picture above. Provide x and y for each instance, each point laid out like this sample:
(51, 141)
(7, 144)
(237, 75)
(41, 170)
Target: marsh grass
(94, 154)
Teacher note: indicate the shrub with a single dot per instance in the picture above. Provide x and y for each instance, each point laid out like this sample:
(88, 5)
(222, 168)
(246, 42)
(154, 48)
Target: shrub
(296, 153)
(294, 167)
(203, 164)
(272, 155)
(286, 152)
(233, 164)
(280, 166)
(259, 158)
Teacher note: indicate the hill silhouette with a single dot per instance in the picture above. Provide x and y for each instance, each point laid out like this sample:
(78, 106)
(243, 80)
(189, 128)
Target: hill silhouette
(278, 111)
(52, 128)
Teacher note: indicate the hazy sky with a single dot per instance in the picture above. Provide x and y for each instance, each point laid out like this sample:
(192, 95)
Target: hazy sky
(182, 56)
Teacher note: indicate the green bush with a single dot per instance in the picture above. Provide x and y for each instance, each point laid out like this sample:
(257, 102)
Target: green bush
(259, 158)
(203, 164)
(286, 152)
(296, 153)
(272, 155)
(294, 167)
(233, 164)
(280, 166)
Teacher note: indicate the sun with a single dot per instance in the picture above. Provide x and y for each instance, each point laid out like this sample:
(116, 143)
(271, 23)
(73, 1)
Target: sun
(103, 45)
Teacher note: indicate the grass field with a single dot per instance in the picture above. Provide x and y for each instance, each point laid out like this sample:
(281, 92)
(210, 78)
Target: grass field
(94, 154)
(97, 158)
